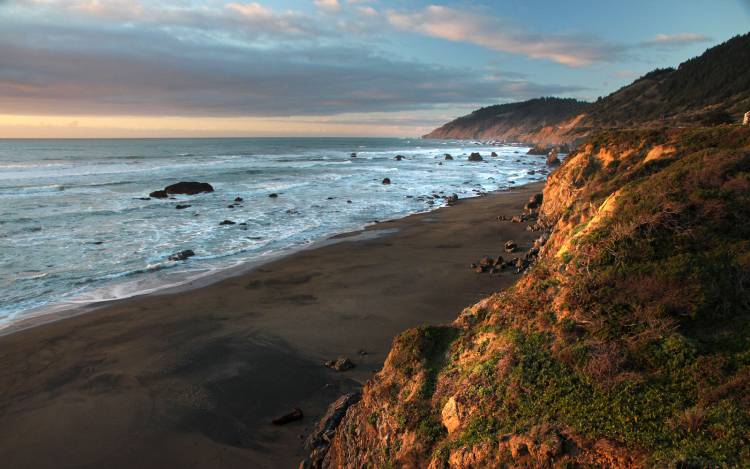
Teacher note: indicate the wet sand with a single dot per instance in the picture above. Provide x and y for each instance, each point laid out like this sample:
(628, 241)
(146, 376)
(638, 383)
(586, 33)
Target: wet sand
(193, 378)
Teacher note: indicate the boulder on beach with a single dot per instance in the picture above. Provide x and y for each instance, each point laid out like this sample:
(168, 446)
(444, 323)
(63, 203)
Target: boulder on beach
(340, 364)
(182, 255)
(292, 416)
(475, 157)
(189, 188)
(510, 246)
(386, 180)
(552, 159)
(451, 199)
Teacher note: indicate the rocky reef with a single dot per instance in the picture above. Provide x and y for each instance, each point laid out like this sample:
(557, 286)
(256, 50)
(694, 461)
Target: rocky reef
(626, 344)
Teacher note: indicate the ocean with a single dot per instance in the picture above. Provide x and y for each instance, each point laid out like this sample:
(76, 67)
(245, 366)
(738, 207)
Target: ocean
(74, 228)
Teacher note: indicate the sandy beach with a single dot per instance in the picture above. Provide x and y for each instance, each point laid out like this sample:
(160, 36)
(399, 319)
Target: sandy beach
(193, 378)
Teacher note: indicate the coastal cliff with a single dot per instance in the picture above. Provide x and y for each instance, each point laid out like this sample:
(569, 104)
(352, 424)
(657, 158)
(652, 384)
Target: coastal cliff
(540, 120)
(624, 345)
(711, 89)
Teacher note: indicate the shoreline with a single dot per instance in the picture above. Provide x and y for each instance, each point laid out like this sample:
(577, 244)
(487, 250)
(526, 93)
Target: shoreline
(64, 309)
(193, 377)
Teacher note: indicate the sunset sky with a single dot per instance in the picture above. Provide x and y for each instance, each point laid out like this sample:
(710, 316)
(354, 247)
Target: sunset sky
(147, 68)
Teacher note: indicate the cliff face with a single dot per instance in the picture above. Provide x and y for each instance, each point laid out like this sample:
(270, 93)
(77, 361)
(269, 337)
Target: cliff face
(625, 345)
(711, 89)
(538, 120)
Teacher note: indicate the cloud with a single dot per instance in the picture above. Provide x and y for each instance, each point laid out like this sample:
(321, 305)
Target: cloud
(328, 5)
(675, 40)
(138, 70)
(501, 34)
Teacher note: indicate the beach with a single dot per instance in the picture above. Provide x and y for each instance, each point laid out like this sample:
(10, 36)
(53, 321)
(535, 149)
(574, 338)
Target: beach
(192, 378)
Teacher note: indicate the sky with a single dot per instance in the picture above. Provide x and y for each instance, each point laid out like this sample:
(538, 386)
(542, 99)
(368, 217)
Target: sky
(210, 68)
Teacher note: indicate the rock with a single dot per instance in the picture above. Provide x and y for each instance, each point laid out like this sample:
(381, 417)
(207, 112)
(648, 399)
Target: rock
(451, 199)
(144, 198)
(510, 246)
(182, 255)
(238, 199)
(746, 118)
(319, 441)
(518, 447)
(450, 415)
(398, 157)
(539, 150)
(386, 180)
(475, 157)
(552, 159)
(448, 157)
(517, 219)
(499, 261)
(189, 188)
(159, 194)
(230, 206)
(487, 261)
(493, 154)
(348, 201)
(227, 222)
(353, 155)
(273, 196)
(181, 206)
(536, 199)
(340, 364)
(292, 416)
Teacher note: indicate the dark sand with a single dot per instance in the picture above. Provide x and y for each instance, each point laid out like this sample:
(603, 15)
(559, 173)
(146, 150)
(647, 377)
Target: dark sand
(192, 379)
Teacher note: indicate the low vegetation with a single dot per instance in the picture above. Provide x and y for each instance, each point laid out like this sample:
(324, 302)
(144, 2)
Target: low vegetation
(626, 345)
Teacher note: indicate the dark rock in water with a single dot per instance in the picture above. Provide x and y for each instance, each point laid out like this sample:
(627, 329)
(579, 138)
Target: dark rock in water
(181, 206)
(273, 196)
(353, 155)
(493, 154)
(348, 201)
(386, 180)
(189, 188)
(159, 194)
(227, 222)
(475, 157)
(398, 157)
(182, 255)
(448, 157)
(292, 416)
(510, 246)
(319, 441)
(340, 364)
(452, 199)
(539, 150)
(230, 206)
(238, 199)
(144, 198)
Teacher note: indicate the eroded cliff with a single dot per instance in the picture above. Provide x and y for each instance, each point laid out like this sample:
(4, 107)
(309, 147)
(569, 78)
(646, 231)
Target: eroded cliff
(627, 344)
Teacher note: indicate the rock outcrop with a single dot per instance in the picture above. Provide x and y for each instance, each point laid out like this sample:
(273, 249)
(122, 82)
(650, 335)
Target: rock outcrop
(624, 343)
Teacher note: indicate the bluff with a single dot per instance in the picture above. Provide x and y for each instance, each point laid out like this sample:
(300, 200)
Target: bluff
(627, 343)
(536, 120)
(711, 89)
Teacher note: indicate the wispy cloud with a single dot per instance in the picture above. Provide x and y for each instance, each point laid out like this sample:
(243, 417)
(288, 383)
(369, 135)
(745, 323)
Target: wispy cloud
(671, 41)
(675, 40)
(503, 35)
